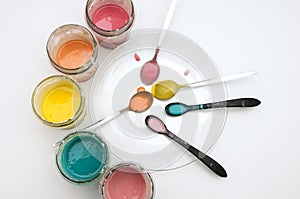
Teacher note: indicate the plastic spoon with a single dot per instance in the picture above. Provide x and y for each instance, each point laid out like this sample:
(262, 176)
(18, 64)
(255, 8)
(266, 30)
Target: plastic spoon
(166, 89)
(156, 125)
(138, 103)
(177, 108)
(150, 70)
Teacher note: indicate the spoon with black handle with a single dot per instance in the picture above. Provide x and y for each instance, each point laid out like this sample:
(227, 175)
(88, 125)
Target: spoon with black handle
(156, 125)
(177, 108)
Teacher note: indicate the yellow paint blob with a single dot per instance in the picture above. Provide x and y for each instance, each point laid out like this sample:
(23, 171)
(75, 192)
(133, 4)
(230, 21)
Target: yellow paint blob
(164, 90)
(61, 102)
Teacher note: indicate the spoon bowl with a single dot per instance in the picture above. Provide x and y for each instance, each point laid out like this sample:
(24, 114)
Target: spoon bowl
(166, 89)
(139, 102)
(150, 70)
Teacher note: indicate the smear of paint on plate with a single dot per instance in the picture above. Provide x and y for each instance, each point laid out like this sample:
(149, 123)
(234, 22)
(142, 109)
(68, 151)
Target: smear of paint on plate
(140, 89)
(186, 72)
(137, 57)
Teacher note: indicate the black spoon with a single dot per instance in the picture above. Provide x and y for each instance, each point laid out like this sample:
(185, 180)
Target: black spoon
(156, 125)
(177, 108)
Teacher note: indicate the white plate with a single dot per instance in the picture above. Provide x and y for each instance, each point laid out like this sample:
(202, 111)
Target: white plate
(118, 78)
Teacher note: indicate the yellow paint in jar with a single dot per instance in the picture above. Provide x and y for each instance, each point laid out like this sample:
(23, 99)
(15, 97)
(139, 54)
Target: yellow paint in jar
(61, 102)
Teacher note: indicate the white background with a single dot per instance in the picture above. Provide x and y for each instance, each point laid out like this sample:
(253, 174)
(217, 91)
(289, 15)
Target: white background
(259, 147)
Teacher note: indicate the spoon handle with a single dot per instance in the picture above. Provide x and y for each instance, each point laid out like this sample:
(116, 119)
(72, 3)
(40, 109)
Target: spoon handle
(205, 159)
(239, 102)
(166, 23)
(105, 120)
(220, 79)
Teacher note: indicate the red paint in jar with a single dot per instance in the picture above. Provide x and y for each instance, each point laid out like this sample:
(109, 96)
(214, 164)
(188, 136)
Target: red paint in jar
(110, 17)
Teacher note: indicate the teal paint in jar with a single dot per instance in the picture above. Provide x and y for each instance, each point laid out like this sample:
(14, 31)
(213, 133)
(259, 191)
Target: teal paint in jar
(81, 157)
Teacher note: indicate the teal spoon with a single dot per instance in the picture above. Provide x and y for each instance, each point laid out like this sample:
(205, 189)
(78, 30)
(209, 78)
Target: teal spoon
(177, 108)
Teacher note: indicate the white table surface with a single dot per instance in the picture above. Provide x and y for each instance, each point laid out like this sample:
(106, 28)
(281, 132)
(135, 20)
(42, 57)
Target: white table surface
(259, 147)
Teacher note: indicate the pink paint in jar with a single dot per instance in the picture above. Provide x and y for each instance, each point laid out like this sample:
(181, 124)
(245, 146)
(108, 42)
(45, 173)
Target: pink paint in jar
(126, 180)
(110, 20)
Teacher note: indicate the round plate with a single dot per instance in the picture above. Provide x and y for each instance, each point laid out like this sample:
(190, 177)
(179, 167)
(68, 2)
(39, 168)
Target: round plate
(118, 78)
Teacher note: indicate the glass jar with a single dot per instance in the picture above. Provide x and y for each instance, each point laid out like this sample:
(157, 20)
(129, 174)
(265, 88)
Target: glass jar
(73, 50)
(110, 20)
(58, 101)
(81, 157)
(126, 180)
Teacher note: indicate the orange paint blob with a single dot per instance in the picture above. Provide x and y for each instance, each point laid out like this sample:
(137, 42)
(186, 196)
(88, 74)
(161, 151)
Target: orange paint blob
(140, 89)
(139, 104)
(73, 54)
(141, 101)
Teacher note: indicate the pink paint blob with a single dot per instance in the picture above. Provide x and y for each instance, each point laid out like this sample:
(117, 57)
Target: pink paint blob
(150, 73)
(156, 124)
(110, 17)
(150, 70)
(186, 72)
(137, 57)
(126, 182)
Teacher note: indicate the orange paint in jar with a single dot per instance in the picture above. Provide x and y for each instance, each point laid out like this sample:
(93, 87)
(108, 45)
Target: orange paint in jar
(73, 50)
(73, 54)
